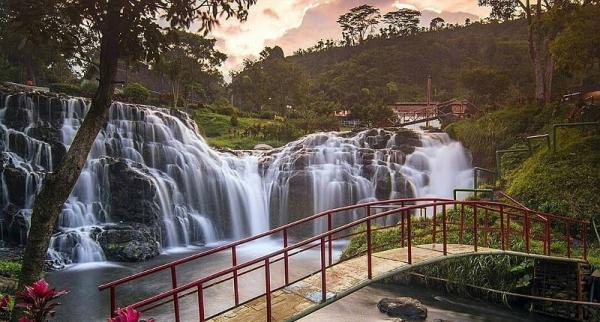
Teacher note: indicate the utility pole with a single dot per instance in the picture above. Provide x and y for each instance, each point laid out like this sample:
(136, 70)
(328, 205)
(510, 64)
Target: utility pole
(428, 91)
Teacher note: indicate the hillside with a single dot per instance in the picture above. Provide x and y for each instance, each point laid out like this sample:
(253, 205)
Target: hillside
(445, 55)
(488, 63)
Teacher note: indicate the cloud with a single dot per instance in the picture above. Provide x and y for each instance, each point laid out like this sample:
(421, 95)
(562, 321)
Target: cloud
(294, 24)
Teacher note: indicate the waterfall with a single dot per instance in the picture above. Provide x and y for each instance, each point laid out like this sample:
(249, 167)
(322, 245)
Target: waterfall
(152, 182)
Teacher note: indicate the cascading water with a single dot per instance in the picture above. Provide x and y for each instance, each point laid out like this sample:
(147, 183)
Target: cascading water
(151, 180)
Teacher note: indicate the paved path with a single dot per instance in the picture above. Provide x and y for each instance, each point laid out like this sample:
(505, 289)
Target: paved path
(304, 296)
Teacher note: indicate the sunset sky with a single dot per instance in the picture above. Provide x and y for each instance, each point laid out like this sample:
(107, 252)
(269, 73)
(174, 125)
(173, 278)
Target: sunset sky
(294, 24)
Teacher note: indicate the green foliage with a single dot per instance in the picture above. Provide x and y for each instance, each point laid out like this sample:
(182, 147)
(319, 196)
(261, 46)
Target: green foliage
(10, 268)
(267, 115)
(486, 85)
(501, 272)
(65, 88)
(578, 47)
(496, 130)
(136, 92)
(234, 121)
(89, 88)
(223, 106)
(357, 23)
(564, 182)
(219, 132)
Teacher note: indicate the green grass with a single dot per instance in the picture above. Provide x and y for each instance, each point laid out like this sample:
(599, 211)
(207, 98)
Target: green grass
(219, 132)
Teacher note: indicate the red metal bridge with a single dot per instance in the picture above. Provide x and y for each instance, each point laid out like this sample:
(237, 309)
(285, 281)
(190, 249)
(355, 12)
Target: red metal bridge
(426, 230)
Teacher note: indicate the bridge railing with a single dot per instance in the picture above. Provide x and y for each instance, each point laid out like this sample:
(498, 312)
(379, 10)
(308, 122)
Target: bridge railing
(415, 221)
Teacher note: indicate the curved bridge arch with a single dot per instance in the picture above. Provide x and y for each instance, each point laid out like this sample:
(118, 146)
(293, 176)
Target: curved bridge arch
(422, 230)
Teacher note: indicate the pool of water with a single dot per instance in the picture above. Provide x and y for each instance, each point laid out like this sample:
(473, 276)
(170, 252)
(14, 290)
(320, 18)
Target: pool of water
(362, 306)
(85, 303)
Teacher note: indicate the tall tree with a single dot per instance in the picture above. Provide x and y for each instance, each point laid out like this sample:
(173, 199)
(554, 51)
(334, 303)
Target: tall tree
(402, 22)
(124, 30)
(358, 22)
(437, 23)
(187, 58)
(545, 20)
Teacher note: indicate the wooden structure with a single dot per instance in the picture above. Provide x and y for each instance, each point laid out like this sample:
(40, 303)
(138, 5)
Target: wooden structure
(491, 227)
(416, 112)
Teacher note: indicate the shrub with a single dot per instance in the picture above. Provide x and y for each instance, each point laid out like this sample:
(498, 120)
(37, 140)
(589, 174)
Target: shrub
(223, 107)
(89, 88)
(136, 92)
(37, 301)
(65, 88)
(128, 315)
(267, 115)
(234, 121)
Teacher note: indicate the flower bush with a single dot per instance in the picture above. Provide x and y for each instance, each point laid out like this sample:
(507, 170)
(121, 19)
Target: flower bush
(128, 314)
(37, 301)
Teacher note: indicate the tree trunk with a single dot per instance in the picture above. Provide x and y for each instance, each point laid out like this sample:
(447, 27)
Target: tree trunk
(59, 184)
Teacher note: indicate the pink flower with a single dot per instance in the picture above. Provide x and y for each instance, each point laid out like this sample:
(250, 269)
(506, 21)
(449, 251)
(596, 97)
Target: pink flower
(128, 314)
(4, 303)
(37, 301)
(24, 319)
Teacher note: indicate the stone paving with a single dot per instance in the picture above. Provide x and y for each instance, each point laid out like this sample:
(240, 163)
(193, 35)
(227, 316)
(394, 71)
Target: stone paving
(306, 294)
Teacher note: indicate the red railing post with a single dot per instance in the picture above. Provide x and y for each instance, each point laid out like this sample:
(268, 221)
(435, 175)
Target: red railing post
(546, 236)
(323, 273)
(526, 231)
(329, 227)
(113, 302)
(502, 235)
(568, 239)
(268, 288)
(201, 303)
(434, 228)
(549, 241)
(175, 296)
(236, 293)
(369, 244)
(402, 228)
(445, 233)
(475, 224)
(485, 228)
(462, 223)
(508, 245)
(285, 257)
(409, 227)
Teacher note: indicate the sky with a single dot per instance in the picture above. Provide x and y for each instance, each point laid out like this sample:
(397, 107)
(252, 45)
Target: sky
(294, 24)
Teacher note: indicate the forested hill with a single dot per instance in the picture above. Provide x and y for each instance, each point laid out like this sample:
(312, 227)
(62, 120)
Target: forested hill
(449, 56)
(479, 61)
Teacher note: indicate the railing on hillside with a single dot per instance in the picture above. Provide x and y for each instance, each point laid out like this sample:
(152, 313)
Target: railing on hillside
(478, 223)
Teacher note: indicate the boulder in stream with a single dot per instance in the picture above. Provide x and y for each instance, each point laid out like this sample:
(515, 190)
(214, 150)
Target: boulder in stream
(403, 307)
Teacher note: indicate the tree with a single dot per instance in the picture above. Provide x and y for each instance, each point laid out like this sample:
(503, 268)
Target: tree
(487, 85)
(577, 48)
(436, 23)
(545, 20)
(357, 23)
(123, 30)
(187, 58)
(402, 22)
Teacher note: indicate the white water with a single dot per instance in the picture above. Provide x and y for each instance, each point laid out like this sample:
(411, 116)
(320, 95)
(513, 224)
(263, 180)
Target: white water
(205, 196)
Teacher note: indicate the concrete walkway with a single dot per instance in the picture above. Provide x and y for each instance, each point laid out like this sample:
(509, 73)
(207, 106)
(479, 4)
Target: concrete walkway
(304, 297)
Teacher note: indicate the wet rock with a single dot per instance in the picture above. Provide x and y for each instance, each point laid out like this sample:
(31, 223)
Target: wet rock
(53, 137)
(129, 243)
(383, 184)
(406, 136)
(404, 307)
(15, 180)
(133, 194)
(15, 225)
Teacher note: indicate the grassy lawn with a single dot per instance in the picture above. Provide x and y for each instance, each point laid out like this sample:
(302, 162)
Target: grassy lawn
(219, 132)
